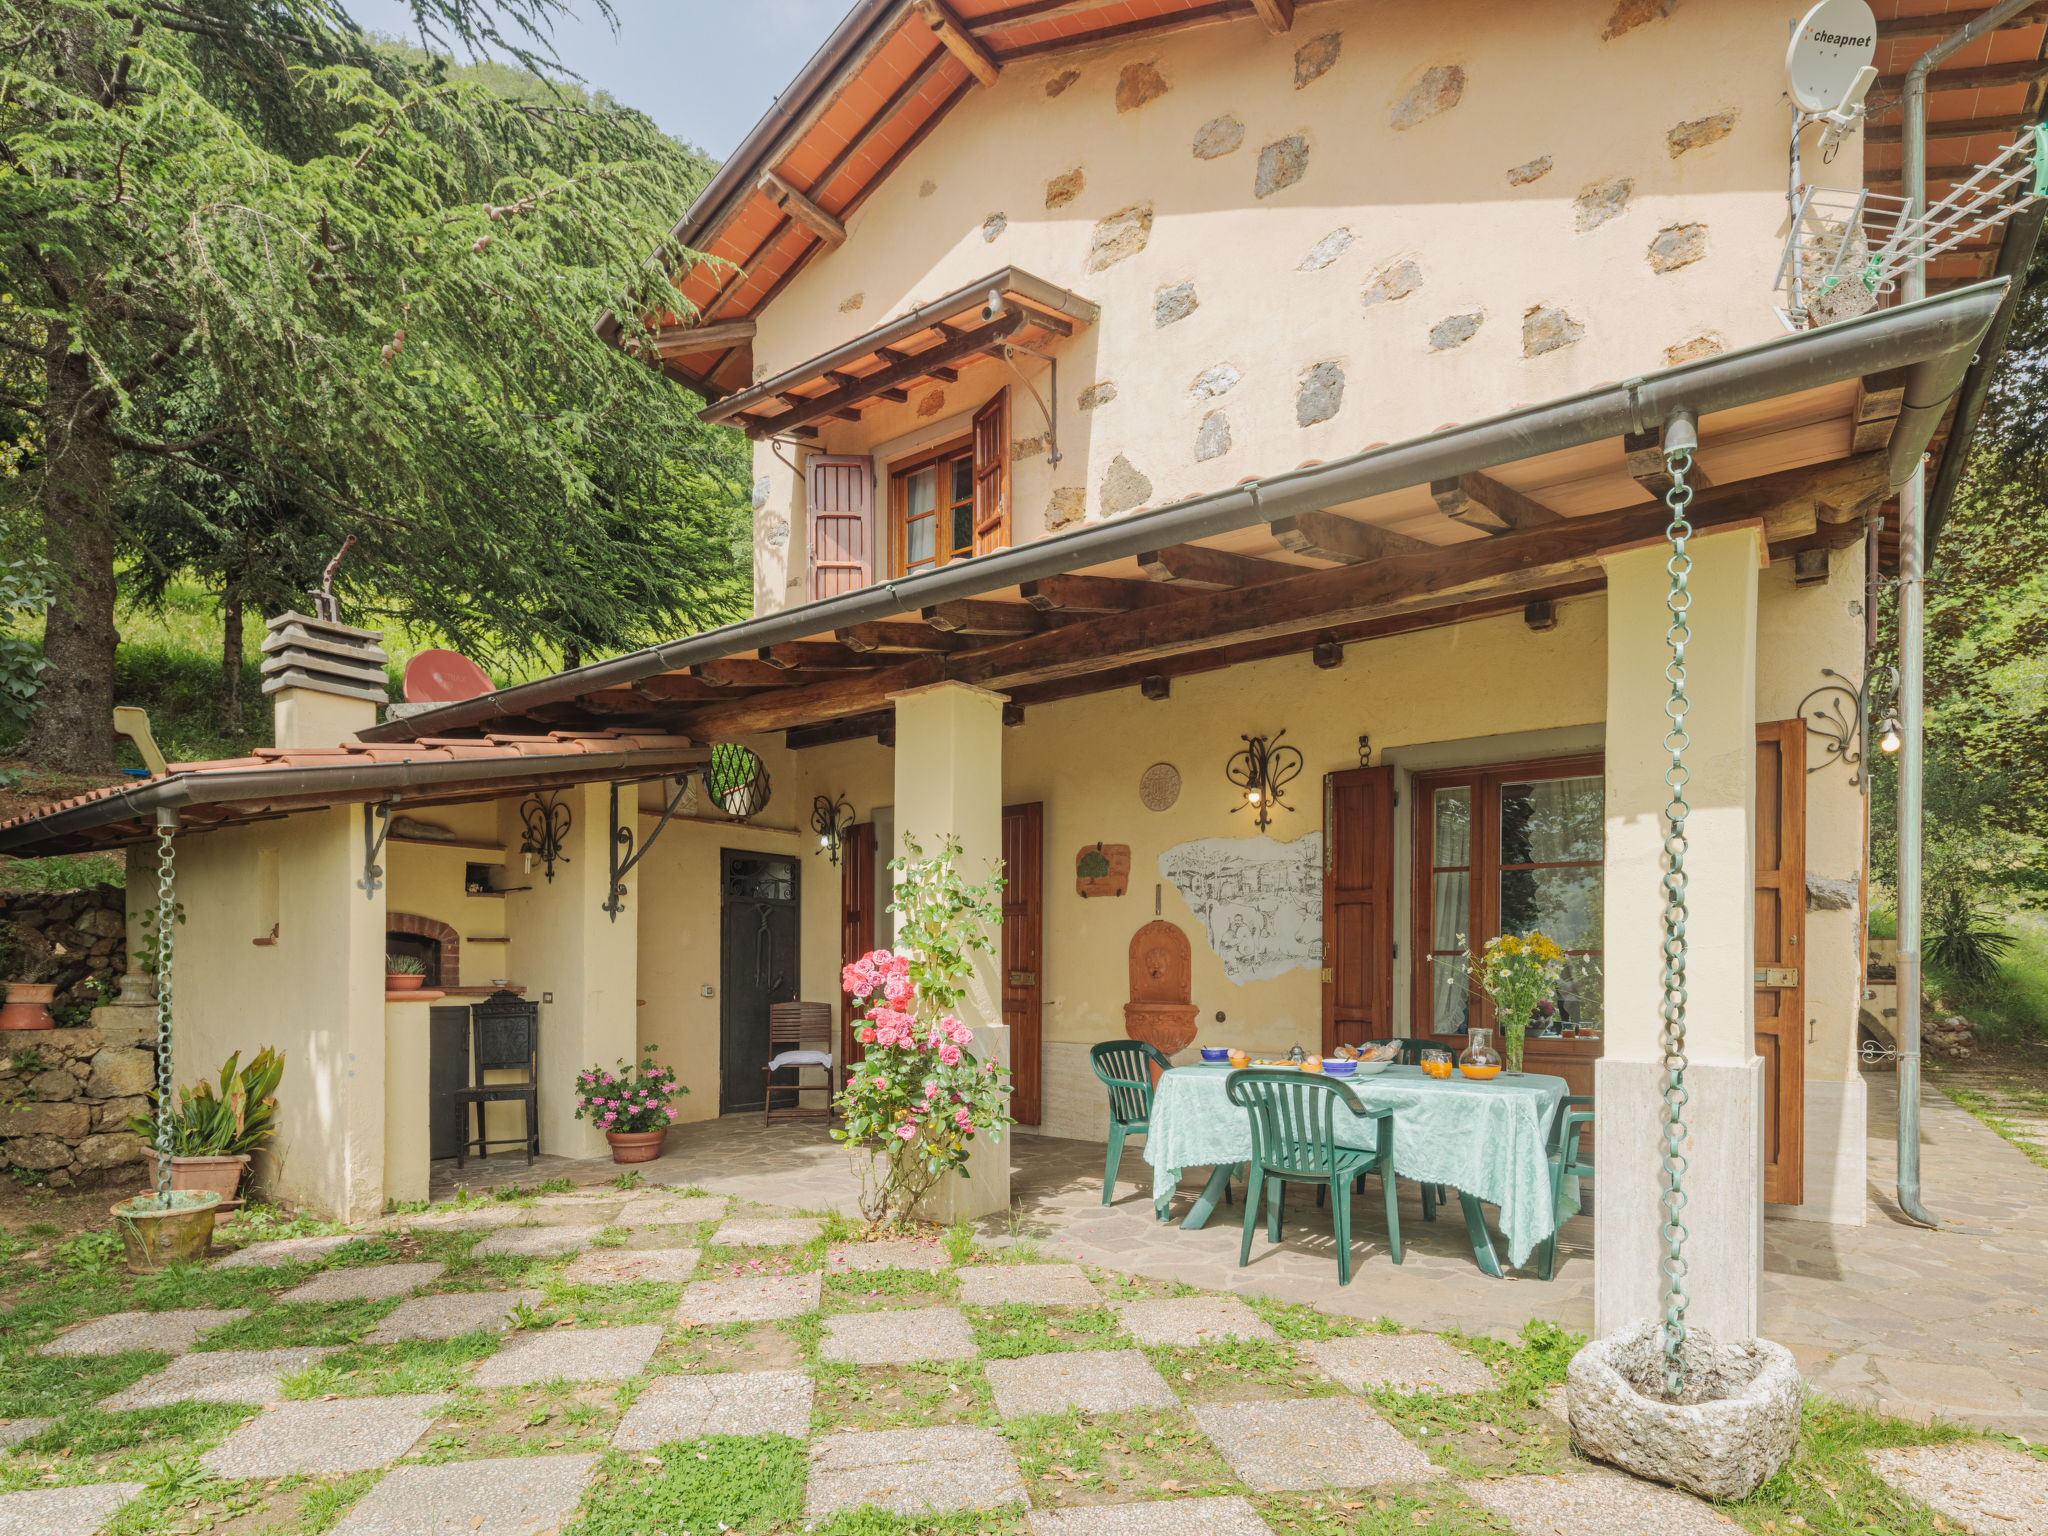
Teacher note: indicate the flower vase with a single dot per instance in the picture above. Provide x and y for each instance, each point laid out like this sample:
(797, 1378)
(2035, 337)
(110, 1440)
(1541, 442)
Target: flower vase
(1511, 1048)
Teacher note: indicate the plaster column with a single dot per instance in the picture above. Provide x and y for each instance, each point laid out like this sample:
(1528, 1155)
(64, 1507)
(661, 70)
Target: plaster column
(407, 1133)
(1723, 1214)
(949, 781)
(575, 961)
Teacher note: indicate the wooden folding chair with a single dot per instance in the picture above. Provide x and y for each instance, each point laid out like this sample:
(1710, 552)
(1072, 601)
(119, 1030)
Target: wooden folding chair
(791, 1026)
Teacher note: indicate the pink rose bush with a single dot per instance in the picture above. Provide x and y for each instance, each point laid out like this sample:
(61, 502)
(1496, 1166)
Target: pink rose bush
(630, 1099)
(918, 1097)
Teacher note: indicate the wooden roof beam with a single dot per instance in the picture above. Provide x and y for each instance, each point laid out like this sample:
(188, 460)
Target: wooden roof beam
(736, 671)
(1092, 594)
(1955, 128)
(1977, 78)
(674, 687)
(959, 42)
(1482, 502)
(1645, 452)
(889, 636)
(813, 655)
(1200, 569)
(1278, 15)
(1340, 541)
(1878, 403)
(902, 368)
(974, 616)
(683, 339)
(1941, 23)
(784, 195)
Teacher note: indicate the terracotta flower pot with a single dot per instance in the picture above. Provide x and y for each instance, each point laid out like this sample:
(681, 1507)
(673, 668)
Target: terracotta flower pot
(154, 1239)
(636, 1146)
(220, 1175)
(403, 981)
(28, 1006)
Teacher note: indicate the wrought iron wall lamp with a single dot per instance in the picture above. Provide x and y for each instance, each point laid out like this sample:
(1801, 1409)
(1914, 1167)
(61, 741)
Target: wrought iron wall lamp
(832, 820)
(547, 821)
(1840, 716)
(1262, 771)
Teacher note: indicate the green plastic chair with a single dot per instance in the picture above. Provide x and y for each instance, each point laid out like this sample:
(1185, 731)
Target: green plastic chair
(1566, 1161)
(1294, 1141)
(1125, 1067)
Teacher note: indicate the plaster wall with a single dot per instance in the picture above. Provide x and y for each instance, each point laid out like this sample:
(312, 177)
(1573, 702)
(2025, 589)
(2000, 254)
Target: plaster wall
(429, 882)
(1579, 208)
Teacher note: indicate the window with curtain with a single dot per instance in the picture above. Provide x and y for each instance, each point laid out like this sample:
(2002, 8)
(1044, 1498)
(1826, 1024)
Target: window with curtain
(934, 505)
(1514, 849)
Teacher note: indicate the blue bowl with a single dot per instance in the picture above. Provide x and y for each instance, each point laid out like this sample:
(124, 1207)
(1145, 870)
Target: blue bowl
(1340, 1069)
(1216, 1053)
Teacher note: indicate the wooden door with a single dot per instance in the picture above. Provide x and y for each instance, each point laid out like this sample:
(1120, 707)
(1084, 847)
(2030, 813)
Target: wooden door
(757, 966)
(1358, 906)
(1023, 935)
(1780, 953)
(856, 921)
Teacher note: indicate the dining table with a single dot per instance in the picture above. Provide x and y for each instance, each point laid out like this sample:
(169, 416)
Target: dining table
(1487, 1138)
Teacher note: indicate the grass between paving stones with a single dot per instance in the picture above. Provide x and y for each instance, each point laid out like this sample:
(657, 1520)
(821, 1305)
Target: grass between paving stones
(1298, 1320)
(297, 1325)
(1440, 1513)
(383, 1370)
(879, 1290)
(1482, 1434)
(559, 1416)
(901, 1396)
(730, 1347)
(183, 1500)
(1005, 1520)
(563, 1305)
(722, 1261)
(34, 1386)
(1074, 1458)
(87, 1445)
(722, 1482)
(1016, 1329)
(1239, 1371)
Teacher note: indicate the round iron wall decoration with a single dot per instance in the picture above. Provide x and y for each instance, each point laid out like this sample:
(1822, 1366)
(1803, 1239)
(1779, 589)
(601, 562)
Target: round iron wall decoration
(1159, 786)
(736, 780)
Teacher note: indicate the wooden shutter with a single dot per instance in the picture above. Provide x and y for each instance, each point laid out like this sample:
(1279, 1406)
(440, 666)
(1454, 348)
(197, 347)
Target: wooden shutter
(1023, 936)
(839, 536)
(856, 921)
(1358, 906)
(1780, 950)
(992, 475)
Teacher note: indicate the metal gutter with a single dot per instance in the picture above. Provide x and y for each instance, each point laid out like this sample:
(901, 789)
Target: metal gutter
(1914, 335)
(216, 785)
(1033, 290)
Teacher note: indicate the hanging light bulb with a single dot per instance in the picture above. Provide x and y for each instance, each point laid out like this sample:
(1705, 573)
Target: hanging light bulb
(1890, 740)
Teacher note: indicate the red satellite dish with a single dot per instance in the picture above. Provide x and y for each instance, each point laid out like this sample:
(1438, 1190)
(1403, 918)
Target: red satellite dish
(443, 677)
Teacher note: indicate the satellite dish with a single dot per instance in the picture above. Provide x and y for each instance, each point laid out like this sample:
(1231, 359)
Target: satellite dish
(1831, 48)
(443, 677)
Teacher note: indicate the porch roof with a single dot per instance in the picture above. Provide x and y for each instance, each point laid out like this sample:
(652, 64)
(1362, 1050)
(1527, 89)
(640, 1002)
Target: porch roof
(1807, 431)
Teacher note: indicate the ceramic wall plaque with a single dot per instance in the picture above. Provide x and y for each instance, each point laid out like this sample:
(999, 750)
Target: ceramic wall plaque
(1103, 869)
(1159, 786)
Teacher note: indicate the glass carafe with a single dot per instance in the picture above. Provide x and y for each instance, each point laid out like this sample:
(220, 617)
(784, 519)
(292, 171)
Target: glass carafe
(1479, 1058)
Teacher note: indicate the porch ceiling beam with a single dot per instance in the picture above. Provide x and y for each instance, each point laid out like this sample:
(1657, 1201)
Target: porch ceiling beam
(1878, 403)
(1198, 568)
(736, 670)
(1093, 594)
(974, 616)
(814, 655)
(1317, 601)
(673, 687)
(785, 196)
(1954, 128)
(852, 728)
(1482, 502)
(959, 42)
(906, 368)
(682, 339)
(905, 636)
(1339, 540)
(1278, 15)
(893, 355)
(1645, 452)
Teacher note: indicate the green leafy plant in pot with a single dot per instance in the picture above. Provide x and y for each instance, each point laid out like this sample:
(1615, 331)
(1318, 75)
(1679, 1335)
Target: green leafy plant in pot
(404, 973)
(216, 1129)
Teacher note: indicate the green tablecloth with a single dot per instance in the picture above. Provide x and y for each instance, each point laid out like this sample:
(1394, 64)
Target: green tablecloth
(1488, 1139)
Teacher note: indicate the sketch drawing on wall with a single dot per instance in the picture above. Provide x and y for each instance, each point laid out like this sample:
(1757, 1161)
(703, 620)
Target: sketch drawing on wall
(1259, 900)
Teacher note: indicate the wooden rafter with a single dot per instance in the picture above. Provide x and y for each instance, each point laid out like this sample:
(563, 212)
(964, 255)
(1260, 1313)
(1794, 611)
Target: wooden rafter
(1482, 502)
(1977, 78)
(1960, 128)
(737, 671)
(974, 616)
(813, 655)
(888, 636)
(1278, 15)
(959, 42)
(674, 687)
(1941, 23)
(901, 368)
(1339, 540)
(798, 206)
(1645, 451)
(681, 339)
(1092, 594)
(1198, 568)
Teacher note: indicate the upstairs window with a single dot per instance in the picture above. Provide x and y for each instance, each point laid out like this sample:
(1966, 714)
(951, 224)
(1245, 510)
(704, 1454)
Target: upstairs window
(953, 501)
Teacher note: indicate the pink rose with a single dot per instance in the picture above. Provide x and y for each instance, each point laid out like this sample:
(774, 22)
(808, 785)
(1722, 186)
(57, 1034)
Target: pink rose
(899, 990)
(949, 1053)
(866, 1037)
(906, 1131)
(961, 1118)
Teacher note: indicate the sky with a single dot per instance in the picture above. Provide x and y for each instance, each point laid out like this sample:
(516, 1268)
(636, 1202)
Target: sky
(705, 70)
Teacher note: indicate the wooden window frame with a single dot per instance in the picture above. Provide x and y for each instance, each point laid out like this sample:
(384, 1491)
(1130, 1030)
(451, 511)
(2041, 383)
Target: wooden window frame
(899, 503)
(1483, 881)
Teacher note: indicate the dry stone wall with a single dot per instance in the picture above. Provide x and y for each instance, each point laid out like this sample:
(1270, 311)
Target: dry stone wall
(84, 932)
(66, 1095)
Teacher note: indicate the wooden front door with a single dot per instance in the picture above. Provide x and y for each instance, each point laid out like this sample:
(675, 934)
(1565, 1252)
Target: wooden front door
(1358, 906)
(758, 958)
(856, 921)
(1023, 935)
(1780, 953)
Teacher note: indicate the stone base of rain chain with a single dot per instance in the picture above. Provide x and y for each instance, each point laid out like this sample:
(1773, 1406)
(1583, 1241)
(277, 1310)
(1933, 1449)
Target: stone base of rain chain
(1734, 1425)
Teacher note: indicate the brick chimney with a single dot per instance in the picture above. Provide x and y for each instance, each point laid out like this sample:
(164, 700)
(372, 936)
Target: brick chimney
(325, 679)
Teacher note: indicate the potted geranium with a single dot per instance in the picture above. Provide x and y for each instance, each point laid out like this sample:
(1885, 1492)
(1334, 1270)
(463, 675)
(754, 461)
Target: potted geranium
(215, 1130)
(630, 1105)
(918, 1097)
(1518, 971)
(404, 973)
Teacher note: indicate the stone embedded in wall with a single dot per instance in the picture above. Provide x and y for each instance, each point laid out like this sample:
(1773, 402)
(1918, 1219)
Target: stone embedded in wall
(1677, 245)
(928, 188)
(1529, 170)
(932, 403)
(1396, 280)
(1326, 250)
(1312, 60)
(1175, 303)
(1219, 379)
(1212, 440)
(69, 1120)
(1120, 236)
(994, 225)
(1693, 348)
(121, 1075)
(38, 1154)
(1630, 14)
(1281, 164)
(1455, 330)
(1096, 395)
(1603, 200)
(760, 372)
(1068, 504)
(1218, 137)
(1320, 396)
(1828, 895)
(1700, 132)
(112, 1149)
(1545, 329)
(1441, 87)
(1057, 85)
(46, 1087)
(775, 532)
(1029, 447)
(1124, 486)
(1063, 189)
(762, 486)
(1138, 84)
(854, 301)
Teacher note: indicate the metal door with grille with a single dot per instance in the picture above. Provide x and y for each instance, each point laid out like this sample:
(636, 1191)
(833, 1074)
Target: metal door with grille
(758, 965)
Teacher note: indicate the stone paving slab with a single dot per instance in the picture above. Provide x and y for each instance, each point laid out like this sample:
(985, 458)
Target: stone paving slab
(897, 1336)
(912, 1471)
(630, 1266)
(14, 1431)
(1231, 1516)
(1325, 1442)
(535, 1242)
(349, 1434)
(733, 1403)
(450, 1315)
(1092, 1380)
(566, 1211)
(1418, 1362)
(1595, 1505)
(78, 1511)
(367, 1282)
(571, 1354)
(1980, 1487)
(1039, 1285)
(756, 1299)
(287, 1250)
(1192, 1320)
(891, 1253)
(503, 1496)
(472, 1219)
(222, 1376)
(171, 1332)
(672, 1210)
(767, 1231)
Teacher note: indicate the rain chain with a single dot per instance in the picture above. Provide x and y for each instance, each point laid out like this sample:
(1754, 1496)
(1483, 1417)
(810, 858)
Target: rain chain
(166, 927)
(1678, 459)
